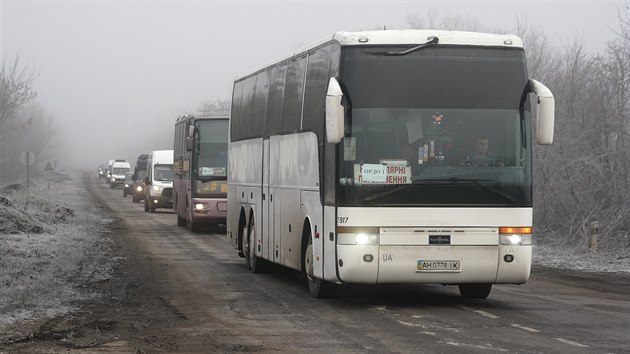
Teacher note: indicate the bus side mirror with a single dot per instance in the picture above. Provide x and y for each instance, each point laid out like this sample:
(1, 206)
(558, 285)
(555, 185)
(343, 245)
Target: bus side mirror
(334, 112)
(189, 138)
(189, 144)
(544, 112)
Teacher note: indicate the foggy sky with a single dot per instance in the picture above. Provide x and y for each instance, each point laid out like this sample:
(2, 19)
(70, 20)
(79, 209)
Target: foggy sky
(115, 75)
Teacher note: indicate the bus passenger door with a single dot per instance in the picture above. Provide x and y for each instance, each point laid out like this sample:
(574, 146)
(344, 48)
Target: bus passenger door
(274, 199)
(267, 217)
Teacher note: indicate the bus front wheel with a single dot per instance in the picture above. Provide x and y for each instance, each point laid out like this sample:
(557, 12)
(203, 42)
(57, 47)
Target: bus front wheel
(318, 288)
(475, 291)
(192, 226)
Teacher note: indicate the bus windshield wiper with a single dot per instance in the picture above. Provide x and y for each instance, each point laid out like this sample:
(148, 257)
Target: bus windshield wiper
(394, 190)
(210, 178)
(434, 40)
(476, 182)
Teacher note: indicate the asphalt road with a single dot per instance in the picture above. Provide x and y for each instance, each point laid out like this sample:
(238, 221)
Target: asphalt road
(205, 300)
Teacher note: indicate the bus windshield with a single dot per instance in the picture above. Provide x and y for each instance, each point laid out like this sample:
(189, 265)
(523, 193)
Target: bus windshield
(442, 126)
(211, 149)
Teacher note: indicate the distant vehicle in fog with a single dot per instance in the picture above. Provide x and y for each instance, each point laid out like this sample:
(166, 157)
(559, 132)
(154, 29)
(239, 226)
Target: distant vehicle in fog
(117, 175)
(140, 171)
(102, 171)
(158, 190)
(200, 184)
(128, 186)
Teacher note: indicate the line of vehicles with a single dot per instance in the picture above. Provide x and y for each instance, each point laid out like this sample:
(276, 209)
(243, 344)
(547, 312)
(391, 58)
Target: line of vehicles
(343, 161)
(191, 179)
(151, 180)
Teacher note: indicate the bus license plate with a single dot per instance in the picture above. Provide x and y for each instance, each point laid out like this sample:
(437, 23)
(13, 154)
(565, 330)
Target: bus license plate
(438, 266)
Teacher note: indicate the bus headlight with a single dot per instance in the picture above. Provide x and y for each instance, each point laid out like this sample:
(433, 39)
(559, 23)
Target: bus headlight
(200, 206)
(157, 188)
(515, 236)
(357, 236)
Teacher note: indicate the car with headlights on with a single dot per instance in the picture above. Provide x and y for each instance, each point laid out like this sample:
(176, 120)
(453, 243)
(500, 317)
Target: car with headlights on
(128, 184)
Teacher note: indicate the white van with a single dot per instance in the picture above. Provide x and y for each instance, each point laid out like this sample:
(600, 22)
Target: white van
(118, 170)
(158, 189)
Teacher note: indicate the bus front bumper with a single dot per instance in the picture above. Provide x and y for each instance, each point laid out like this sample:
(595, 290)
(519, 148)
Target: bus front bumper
(210, 211)
(444, 264)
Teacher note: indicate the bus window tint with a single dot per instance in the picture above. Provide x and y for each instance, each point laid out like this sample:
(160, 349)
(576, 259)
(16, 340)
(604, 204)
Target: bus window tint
(292, 110)
(276, 99)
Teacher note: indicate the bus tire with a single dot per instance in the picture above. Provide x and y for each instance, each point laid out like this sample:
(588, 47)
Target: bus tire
(192, 226)
(475, 291)
(181, 221)
(254, 263)
(318, 288)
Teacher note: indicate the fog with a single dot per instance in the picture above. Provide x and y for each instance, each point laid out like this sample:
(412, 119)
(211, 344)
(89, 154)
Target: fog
(115, 75)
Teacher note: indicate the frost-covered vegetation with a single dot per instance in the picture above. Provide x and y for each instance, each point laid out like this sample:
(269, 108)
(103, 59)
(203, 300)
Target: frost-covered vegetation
(52, 243)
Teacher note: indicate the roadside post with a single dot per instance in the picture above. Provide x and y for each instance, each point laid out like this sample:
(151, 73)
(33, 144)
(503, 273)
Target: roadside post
(48, 170)
(27, 159)
(592, 244)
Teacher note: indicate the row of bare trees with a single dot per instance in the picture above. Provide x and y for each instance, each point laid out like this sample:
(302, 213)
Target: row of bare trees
(585, 175)
(24, 125)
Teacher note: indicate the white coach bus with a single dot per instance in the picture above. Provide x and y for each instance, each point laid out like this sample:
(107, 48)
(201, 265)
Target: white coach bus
(389, 157)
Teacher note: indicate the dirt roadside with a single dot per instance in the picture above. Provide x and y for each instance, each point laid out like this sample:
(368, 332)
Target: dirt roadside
(129, 316)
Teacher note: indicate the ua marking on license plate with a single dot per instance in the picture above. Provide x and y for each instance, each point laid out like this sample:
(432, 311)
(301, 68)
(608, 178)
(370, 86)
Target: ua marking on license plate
(438, 266)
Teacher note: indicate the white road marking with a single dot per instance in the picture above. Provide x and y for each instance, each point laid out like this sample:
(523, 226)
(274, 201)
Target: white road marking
(475, 346)
(429, 325)
(529, 329)
(481, 312)
(410, 324)
(379, 308)
(570, 342)
(421, 316)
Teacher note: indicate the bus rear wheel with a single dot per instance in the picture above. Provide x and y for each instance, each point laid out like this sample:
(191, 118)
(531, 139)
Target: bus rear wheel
(254, 263)
(318, 288)
(475, 291)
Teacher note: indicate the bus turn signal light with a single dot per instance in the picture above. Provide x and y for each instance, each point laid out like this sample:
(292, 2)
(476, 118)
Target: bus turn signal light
(515, 230)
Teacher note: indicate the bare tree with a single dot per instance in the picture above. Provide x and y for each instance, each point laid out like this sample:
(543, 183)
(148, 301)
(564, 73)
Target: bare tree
(15, 89)
(584, 175)
(418, 21)
(15, 93)
(40, 134)
(434, 20)
(215, 105)
(24, 125)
